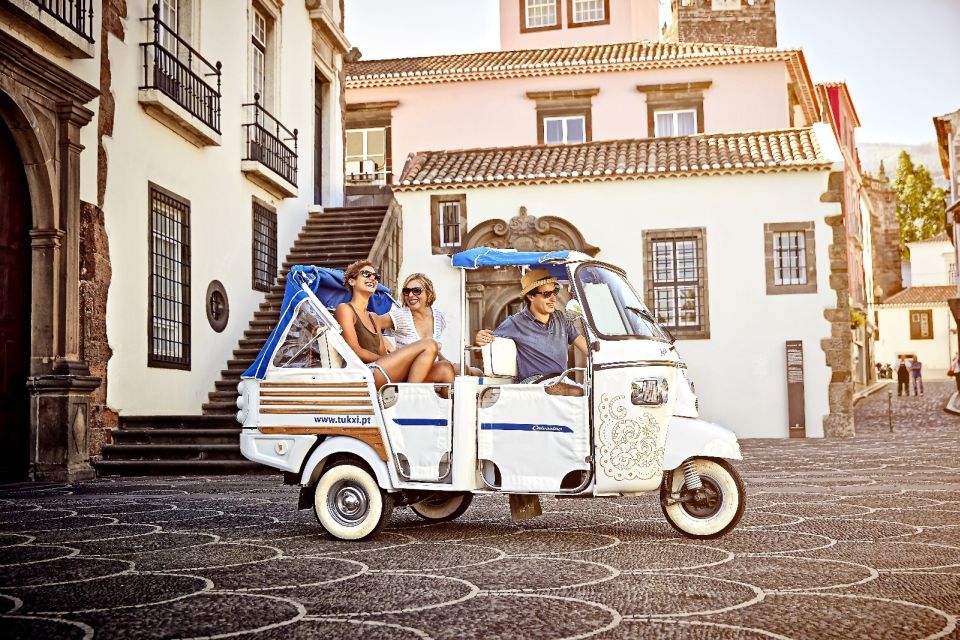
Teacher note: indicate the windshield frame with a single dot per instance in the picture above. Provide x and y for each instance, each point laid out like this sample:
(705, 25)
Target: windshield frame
(582, 298)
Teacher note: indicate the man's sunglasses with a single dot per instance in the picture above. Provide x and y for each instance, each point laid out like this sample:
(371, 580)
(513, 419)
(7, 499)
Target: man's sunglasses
(417, 291)
(548, 294)
(370, 274)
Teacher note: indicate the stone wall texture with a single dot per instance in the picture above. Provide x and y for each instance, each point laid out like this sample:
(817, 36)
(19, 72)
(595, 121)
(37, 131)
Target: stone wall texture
(751, 24)
(95, 275)
(885, 234)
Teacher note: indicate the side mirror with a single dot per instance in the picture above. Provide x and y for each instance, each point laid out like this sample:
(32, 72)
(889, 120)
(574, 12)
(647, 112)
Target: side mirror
(574, 306)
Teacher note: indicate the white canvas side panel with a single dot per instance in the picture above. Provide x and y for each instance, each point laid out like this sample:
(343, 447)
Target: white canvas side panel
(535, 439)
(419, 428)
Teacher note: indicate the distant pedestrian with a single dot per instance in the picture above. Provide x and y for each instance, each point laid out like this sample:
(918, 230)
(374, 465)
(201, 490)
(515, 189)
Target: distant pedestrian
(915, 367)
(955, 370)
(903, 378)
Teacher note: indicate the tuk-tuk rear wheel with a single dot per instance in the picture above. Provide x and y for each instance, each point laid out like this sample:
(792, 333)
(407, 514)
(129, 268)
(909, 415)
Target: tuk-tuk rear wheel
(443, 507)
(721, 500)
(349, 504)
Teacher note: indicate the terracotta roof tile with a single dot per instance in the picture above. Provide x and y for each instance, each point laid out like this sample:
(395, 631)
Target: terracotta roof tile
(502, 64)
(923, 295)
(703, 154)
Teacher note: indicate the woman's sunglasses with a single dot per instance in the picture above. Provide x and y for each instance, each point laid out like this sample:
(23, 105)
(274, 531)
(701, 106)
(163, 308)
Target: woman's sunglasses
(417, 291)
(370, 274)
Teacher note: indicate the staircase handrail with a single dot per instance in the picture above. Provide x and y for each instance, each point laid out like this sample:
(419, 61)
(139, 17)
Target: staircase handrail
(388, 237)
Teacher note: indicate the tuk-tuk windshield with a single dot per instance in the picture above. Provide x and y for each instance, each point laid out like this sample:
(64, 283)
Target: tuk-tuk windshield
(613, 307)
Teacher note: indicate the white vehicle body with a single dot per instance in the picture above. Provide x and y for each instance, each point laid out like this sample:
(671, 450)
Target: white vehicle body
(314, 401)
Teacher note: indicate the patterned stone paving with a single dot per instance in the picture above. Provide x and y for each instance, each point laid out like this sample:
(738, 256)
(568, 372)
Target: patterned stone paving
(856, 538)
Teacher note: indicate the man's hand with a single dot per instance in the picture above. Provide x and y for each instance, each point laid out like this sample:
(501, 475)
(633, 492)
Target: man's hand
(484, 336)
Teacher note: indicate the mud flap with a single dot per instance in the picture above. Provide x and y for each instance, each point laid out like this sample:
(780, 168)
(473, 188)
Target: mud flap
(306, 497)
(524, 507)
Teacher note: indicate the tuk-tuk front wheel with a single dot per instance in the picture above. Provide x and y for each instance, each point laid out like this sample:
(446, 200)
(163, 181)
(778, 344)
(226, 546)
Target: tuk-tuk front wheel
(443, 507)
(349, 504)
(710, 511)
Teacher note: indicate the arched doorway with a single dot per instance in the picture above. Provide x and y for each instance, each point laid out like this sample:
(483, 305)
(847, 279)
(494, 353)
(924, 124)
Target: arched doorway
(493, 294)
(15, 307)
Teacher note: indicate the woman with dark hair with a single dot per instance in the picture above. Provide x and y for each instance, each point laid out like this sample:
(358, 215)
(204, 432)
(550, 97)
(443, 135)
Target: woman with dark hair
(413, 362)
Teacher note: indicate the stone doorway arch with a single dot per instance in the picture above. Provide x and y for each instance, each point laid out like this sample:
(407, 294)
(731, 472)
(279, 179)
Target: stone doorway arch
(491, 292)
(42, 108)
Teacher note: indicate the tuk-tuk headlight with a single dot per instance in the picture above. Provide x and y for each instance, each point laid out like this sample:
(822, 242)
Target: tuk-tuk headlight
(649, 392)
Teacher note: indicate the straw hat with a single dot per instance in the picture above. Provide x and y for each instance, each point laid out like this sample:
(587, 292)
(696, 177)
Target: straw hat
(533, 279)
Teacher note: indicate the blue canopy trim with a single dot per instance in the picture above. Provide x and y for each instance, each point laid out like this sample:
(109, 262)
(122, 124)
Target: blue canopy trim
(552, 261)
(327, 285)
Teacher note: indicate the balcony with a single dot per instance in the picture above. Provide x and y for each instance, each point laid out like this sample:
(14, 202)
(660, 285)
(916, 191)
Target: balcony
(365, 172)
(176, 90)
(269, 160)
(65, 25)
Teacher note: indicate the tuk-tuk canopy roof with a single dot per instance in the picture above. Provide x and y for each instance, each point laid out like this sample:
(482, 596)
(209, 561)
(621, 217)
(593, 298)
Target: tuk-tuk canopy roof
(327, 285)
(553, 261)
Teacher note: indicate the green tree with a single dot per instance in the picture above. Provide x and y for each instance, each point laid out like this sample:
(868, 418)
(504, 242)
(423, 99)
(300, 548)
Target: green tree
(920, 204)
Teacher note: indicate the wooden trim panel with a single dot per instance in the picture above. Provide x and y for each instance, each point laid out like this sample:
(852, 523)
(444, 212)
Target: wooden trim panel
(314, 385)
(368, 435)
(314, 394)
(308, 411)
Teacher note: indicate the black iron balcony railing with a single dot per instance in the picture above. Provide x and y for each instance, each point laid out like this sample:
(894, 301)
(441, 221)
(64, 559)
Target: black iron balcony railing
(173, 67)
(267, 142)
(75, 14)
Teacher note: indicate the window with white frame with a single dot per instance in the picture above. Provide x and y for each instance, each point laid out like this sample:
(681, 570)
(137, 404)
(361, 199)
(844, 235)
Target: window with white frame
(448, 219)
(366, 154)
(565, 130)
(540, 14)
(258, 54)
(675, 282)
(675, 123)
(588, 11)
(789, 258)
(450, 224)
(170, 16)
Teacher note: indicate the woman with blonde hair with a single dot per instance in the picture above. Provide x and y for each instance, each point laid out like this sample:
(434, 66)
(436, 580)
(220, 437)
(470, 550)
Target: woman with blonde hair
(418, 319)
(413, 362)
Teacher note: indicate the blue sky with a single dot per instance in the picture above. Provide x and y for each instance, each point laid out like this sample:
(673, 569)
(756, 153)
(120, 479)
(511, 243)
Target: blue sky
(901, 58)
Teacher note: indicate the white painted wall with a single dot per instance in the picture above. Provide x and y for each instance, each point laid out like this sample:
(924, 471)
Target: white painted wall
(143, 150)
(935, 354)
(930, 263)
(740, 371)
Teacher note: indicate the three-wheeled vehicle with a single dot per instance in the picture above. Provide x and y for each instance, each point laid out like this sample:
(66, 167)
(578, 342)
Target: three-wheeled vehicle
(309, 407)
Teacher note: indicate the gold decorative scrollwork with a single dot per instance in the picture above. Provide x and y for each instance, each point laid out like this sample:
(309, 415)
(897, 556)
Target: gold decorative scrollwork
(628, 446)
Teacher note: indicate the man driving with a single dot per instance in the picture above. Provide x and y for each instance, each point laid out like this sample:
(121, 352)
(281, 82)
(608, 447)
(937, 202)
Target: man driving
(541, 334)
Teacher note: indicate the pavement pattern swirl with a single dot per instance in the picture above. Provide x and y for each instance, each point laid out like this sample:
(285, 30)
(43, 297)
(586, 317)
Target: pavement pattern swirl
(856, 538)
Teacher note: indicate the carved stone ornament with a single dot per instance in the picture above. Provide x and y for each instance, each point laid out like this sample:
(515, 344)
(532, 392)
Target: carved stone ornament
(628, 445)
(529, 233)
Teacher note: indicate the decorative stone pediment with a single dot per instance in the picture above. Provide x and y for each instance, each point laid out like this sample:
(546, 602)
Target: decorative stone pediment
(529, 233)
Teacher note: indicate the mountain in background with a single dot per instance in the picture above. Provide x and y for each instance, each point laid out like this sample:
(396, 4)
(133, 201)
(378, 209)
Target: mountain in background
(871, 153)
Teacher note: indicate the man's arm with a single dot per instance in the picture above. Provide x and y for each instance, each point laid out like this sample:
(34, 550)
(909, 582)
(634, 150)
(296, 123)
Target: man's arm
(581, 343)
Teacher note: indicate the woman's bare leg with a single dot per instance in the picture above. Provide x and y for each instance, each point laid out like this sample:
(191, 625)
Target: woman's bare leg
(410, 363)
(441, 373)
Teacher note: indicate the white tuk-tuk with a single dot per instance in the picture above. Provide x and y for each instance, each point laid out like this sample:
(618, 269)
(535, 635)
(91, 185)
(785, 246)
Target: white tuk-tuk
(309, 407)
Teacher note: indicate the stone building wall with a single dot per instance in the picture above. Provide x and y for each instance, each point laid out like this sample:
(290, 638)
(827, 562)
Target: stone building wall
(885, 234)
(95, 274)
(745, 22)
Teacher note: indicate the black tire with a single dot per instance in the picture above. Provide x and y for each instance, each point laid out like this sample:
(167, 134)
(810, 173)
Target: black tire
(349, 504)
(443, 507)
(707, 521)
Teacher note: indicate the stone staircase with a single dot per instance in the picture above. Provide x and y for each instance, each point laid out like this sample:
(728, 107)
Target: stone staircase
(332, 239)
(210, 443)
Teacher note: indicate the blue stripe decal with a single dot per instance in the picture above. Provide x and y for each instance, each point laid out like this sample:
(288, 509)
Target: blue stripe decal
(417, 422)
(522, 426)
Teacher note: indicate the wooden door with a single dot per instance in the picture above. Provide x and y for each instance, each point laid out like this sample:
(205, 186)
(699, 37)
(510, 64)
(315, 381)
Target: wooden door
(14, 312)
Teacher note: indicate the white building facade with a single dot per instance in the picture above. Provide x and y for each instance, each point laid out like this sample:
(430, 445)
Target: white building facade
(743, 296)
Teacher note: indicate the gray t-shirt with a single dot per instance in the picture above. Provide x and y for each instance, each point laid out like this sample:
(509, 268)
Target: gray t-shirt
(541, 348)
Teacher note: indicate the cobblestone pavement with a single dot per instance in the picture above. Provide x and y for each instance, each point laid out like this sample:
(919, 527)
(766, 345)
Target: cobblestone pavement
(844, 539)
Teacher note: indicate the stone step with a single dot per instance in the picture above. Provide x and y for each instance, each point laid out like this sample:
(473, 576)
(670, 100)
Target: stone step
(220, 408)
(180, 467)
(179, 436)
(192, 451)
(174, 422)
